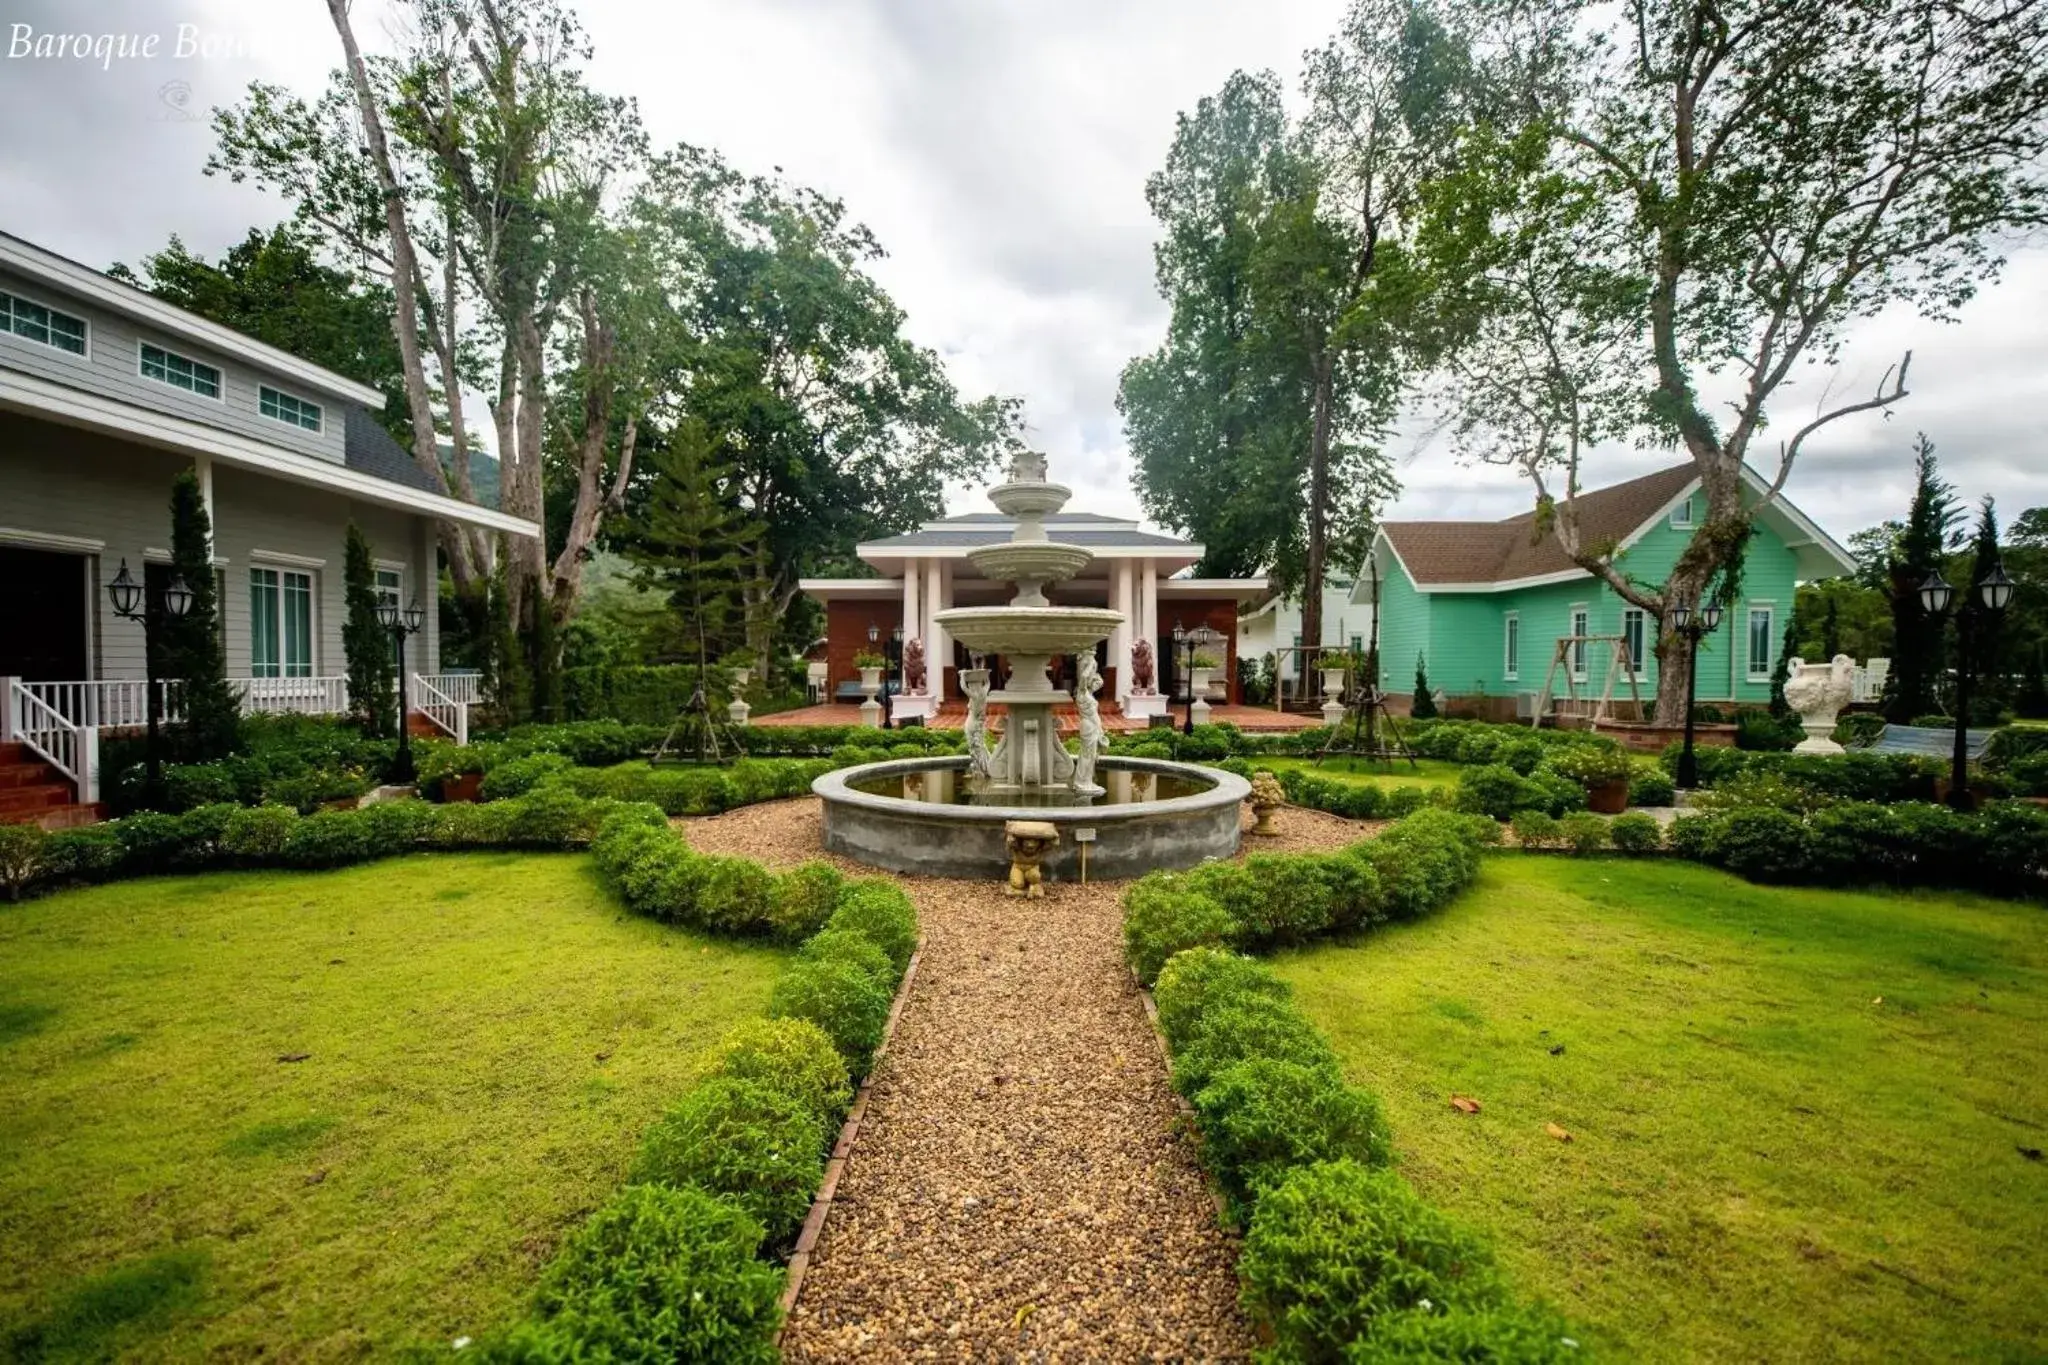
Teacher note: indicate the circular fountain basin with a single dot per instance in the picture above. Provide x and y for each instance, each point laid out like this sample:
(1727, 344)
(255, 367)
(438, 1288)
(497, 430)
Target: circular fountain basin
(1042, 561)
(1029, 630)
(916, 816)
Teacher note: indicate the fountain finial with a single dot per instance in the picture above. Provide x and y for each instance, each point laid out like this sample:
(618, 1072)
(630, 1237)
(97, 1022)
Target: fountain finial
(1028, 466)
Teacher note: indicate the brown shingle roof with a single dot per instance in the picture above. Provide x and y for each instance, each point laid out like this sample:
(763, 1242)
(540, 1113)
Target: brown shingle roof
(1440, 552)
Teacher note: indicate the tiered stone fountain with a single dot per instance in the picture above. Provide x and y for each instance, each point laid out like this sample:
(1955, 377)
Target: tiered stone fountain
(945, 816)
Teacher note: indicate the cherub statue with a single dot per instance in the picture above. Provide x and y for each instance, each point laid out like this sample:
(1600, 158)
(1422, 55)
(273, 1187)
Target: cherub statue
(1027, 466)
(1087, 682)
(975, 682)
(1028, 842)
(1141, 667)
(913, 666)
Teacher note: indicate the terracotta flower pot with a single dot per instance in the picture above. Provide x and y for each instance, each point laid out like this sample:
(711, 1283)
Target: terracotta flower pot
(1609, 798)
(462, 787)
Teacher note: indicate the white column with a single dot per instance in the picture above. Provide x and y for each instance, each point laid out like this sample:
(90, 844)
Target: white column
(1129, 631)
(938, 651)
(202, 466)
(1149, 611)
(913, 619)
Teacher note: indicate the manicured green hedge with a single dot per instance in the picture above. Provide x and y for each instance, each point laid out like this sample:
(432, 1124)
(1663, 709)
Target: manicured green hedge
(681, 791)
(1353, 800)
(1270, 899)
(2001, 850)
(1854, 776)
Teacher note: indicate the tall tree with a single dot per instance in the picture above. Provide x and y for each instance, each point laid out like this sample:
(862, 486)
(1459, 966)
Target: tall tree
(274, 287)
(191, 654)
(1923, 547)
(365, 644)
(1759, 174)
(1986, 650)
(692, 540)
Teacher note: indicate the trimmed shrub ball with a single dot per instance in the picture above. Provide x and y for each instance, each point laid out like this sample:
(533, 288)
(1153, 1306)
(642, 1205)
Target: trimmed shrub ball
(791, 1056)
(1262, 1117)
(805, 897)
(846, 945)
(1194, 982)
(761, 1148)
(656, 1275)
(839, 998)
(1238, 1030)
(883, 912)
(1163, 915)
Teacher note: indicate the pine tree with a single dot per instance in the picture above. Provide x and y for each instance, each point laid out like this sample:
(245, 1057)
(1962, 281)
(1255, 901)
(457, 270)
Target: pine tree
(693, 540)
(365, 643)
(191, 655)
(1988, 691)
(1917, 637)
(1830, 632)
(1424, 706)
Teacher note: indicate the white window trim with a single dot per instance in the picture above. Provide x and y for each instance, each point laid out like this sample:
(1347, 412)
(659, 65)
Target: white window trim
(45, 345)
(1681, 515)
(44, 540)
(312, 619)
(1749, 669)
(319, 427)
(1575, 661)
(220, 397)
(1511, 653)
(1639, 664)
(289, 561)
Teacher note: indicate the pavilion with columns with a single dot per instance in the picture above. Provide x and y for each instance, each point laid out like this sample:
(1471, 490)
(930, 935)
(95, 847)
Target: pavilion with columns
(920, 573)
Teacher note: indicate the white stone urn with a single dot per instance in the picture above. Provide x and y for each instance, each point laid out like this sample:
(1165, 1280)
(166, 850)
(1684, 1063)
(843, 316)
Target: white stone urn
(1198, 679)
(1818, 692)
(870, 709)
(740, 677)
(1333, 695)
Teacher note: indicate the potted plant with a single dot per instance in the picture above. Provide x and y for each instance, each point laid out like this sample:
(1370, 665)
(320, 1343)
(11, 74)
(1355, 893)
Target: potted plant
(741, 663)
(448, 772)
(1602, 769)
(870, 665)
(1200, 669)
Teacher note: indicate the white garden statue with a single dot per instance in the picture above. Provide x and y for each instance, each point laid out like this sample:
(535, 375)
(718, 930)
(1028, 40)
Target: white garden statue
(1818, 692)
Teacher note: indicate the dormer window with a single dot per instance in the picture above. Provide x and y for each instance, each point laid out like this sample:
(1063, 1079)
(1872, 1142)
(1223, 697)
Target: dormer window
(282, 407)
(180, 372)
(40, 324)
(1681, 515)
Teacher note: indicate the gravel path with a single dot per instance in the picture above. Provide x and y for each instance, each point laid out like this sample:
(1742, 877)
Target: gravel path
(1022, 1188)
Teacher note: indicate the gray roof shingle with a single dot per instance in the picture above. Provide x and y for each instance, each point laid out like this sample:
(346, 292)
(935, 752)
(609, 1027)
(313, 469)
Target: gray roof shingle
(369, 449)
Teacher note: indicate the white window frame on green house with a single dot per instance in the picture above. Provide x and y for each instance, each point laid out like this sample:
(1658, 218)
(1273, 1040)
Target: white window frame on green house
(288, 408)
(1681, 515)
(281, 640)
(1580, 624)
(1639, 647)
(1769, 612)
(12, 323)
(170, 375)
(1511, 646)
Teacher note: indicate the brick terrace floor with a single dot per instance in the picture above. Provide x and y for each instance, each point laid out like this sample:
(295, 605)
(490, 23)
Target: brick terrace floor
(953, 716)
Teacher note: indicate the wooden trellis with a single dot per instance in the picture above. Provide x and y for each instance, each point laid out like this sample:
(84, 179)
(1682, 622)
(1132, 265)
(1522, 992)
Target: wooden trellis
(1621, 663)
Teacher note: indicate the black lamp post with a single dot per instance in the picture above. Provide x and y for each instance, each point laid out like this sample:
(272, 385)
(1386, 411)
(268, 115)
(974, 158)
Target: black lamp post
(1682, 623)
(1994, 594)
(1186, 644)
(891, 682)
(402, 624)
(130, 604)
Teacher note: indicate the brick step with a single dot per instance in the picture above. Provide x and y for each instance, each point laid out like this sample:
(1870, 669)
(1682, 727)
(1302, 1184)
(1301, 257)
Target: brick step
(419, 727)
(35, 798)
(69, 816)
(14, 751)
(27, 774)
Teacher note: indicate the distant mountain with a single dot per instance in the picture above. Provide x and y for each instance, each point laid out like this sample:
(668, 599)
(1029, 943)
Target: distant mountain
(483, 473)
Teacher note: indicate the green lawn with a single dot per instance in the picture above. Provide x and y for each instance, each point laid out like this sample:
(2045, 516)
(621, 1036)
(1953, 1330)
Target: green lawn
(487, 1036)
(1426, 772)
(1797, 1116)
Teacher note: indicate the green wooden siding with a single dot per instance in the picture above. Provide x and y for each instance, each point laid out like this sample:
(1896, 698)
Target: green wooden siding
(1464, 634)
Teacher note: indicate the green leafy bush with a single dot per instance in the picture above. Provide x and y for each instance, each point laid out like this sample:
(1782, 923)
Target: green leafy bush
(760, 1148)
(657, 1274)
(328, 838)
(21, 857)
(804, 898)
(1262, 1117)
(1583, 833)
(518, 776)
(1636, 833)
(1237, 1030)
(1337, 1246)
(1164, 915)
(882, 911)
(846, 945)
(1650, 785)
(1494, 790)
(793, 1057)
(1203, 979)
(734, 896)
(839, 998)
(152, 840)
(1496, 1335)
(1593, 765)
(1535, 829)
(1761, 843)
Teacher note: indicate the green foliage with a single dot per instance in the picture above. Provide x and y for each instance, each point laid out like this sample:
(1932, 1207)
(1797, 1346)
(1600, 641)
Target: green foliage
(792, 1057)
(1536, 829)
(189, 647)
(1489, 1335)
(1583, 832)
(1423, 707)
(365, 643)
(1591, 765)
(1494, 790)
(1920, 655)
(1337, 1246)
(879, 909)
(1165, 915)
(804, 898)
(21, 857)
(734, 896)
(1240, 1029)
(690, 538)
(1636, 833)
(848, 945)
(656, 1275)
(1650, 785)
(518, 776)
(840, 998)
(1203, 979)
(760, 1148)
(1263, 1117)
(96, 1316)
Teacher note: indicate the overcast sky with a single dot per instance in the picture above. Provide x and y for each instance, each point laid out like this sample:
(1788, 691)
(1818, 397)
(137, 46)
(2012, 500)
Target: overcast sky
(999, 150)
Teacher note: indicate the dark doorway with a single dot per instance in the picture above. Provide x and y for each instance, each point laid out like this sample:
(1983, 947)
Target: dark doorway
(42, 615)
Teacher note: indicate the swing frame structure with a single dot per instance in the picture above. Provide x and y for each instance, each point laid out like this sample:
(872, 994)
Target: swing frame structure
(1619, 662)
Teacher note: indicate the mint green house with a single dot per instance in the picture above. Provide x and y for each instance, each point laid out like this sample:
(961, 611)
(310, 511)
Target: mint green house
(1486, 604)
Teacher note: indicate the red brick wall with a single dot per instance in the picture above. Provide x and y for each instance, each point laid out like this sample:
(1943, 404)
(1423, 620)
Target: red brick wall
(846, 634)
(1219, 614)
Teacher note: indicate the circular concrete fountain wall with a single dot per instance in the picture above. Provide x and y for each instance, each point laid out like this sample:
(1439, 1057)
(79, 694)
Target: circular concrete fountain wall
(932, 831)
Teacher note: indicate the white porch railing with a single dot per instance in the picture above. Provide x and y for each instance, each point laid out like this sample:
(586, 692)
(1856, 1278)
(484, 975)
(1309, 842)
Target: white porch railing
(464, 688)
(449, 714)
(291, 696)
(102, 704)
(72, 749)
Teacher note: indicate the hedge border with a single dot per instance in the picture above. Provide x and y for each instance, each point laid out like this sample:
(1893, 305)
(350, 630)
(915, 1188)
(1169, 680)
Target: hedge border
(799, 1264)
